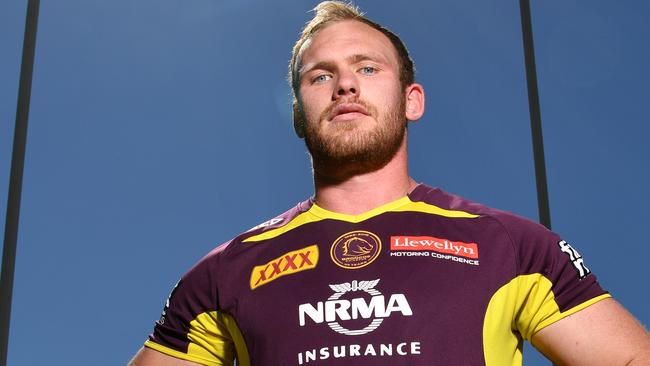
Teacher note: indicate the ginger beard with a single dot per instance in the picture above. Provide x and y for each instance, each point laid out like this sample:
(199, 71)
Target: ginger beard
(348, 148)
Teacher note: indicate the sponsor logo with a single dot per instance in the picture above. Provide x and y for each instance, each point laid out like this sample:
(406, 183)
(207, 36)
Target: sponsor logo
(360, 350)
(430, 243)
(430, 246)
(163, 315)
(336, 310)
(355, 249)
(575, 258)
(274, 221)
(286, 264)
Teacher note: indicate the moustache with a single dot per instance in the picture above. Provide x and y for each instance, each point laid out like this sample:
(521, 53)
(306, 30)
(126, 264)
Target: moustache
(369, 108)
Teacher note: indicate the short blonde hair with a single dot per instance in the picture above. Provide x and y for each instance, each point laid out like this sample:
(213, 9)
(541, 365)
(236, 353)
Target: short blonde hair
(328, 12)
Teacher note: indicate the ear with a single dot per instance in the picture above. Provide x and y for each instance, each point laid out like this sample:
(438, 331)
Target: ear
(414, 102)
(298, 121)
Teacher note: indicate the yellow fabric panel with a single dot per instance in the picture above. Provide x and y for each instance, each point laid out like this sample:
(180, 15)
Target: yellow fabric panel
(209, 339)
(573, 310)
(215, 340)
(431, 209)
(181, 355)
(501, 344)
(390, 206)
(519, 309)
(302, 219)
(403, 204)
(212, 337)
(317, 213)
(238, 339)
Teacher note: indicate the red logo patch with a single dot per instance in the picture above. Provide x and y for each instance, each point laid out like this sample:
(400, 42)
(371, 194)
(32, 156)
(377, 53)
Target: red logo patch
(420, 243)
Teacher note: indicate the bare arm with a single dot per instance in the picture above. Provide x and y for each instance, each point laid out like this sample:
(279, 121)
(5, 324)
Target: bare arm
(601, 334)
(149, 357)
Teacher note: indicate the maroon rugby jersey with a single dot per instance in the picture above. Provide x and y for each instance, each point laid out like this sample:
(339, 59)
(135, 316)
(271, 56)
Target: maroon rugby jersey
(429, 279)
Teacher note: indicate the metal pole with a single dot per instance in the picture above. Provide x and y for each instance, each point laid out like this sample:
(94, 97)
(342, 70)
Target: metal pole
(16, 177)
(535, 115)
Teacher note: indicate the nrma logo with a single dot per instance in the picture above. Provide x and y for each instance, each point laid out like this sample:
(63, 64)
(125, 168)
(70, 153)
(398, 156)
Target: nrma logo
(335, 309)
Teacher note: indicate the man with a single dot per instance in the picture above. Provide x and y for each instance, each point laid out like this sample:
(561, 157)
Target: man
(377, 269)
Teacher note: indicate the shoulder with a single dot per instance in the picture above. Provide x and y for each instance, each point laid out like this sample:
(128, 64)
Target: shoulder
(514, 224)
(236, 245)
(532, 244)
(200, 284)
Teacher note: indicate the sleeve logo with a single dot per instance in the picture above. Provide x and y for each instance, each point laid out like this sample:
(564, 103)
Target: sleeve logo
(286, 264)
(163, 315)
(575, 258)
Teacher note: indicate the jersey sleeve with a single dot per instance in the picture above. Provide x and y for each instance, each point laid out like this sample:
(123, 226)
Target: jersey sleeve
(552, 280)
(192, 327)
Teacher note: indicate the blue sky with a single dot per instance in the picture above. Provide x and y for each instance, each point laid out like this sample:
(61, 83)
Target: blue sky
(159, 129)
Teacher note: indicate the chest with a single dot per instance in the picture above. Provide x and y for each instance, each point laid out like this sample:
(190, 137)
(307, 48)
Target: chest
(420, 286)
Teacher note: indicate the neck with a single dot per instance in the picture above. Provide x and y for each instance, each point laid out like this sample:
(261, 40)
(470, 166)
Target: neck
(362, 192)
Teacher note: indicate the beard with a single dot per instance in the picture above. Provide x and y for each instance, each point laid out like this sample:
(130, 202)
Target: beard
(346, 148)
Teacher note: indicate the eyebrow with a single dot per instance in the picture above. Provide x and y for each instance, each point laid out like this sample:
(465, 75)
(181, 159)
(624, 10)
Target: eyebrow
(352, 59)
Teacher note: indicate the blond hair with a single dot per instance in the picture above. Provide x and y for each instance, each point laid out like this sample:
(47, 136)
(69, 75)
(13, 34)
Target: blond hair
(328, 12)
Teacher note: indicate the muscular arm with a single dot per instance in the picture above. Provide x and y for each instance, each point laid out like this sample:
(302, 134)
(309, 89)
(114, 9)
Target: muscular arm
(601, 334)
(149, 357)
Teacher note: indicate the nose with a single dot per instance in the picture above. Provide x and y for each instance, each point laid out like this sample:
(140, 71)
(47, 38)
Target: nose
(347, 85)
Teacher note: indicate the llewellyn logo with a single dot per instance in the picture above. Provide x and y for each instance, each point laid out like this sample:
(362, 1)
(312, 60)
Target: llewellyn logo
(336, 310)
(286, 264)
(355, 249)
(430, 243)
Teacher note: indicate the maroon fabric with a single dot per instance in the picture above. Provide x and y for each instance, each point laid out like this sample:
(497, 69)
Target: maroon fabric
(430, 304)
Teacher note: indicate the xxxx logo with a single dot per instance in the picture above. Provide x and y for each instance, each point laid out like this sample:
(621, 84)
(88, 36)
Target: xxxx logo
(286, 264)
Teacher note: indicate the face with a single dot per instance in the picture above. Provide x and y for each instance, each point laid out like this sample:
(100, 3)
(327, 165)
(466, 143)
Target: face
(350, 96)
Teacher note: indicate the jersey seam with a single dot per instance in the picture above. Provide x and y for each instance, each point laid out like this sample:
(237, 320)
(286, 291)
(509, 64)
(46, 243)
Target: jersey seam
(179, 354)
(241, 238)
(514, 251)
(214, 291)
(512, 243)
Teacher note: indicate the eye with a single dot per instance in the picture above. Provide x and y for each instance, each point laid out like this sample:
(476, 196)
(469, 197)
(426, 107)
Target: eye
(321, 78)
(368, 70)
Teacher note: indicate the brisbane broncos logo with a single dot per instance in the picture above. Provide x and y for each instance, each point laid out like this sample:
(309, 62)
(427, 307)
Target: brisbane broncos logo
(356, 246)
(355, 249)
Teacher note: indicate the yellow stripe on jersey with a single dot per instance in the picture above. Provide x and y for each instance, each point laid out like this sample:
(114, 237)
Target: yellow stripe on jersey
(520, 308)
(390, 206)
(302, 219)
(432, 209)
(181, 355)
(317, 213)
(215, 340)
